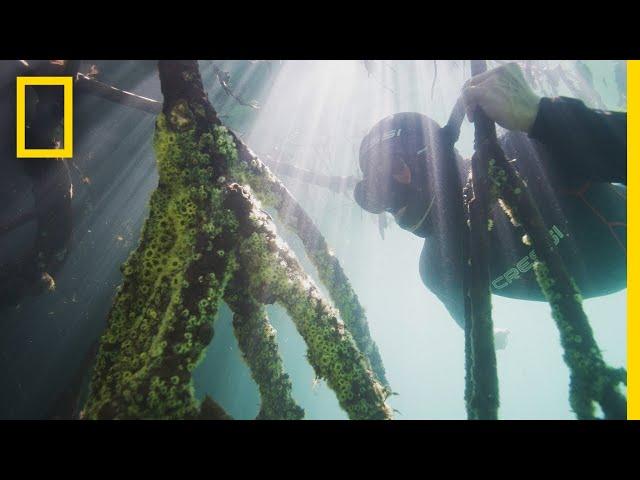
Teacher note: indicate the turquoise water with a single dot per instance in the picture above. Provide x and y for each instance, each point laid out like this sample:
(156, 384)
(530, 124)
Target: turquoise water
(312, 114)
(319, 111)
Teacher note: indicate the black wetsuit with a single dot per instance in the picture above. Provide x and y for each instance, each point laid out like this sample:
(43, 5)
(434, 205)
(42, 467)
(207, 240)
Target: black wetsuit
(574, 162)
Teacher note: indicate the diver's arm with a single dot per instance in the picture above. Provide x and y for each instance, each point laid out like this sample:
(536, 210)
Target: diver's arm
(587, 142)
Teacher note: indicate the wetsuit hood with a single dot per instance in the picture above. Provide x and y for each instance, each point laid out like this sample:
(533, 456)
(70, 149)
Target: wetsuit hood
(407, 138)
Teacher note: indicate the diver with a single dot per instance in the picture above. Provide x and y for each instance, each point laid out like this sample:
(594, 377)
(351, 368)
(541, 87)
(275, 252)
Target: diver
(572, 158)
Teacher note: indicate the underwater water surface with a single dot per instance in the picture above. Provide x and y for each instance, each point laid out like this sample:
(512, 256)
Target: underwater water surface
(312, 114)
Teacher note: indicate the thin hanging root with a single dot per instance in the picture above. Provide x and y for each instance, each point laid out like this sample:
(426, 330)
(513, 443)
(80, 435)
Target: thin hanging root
(468, 354)
(435, 78)
(273, 193)
(468, 370)
(257, 342)
(482, 391)
(334, 183)
(591, 379)
(274, 273)
(483, 397)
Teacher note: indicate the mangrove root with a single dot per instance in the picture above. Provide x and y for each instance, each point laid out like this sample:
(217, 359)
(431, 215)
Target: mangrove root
(275, 274)
(257, 342)
(591, 379)
(201, 230)
(483, 400)
(272, 192)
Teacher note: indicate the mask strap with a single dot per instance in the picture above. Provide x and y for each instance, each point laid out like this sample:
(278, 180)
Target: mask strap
(424, 217)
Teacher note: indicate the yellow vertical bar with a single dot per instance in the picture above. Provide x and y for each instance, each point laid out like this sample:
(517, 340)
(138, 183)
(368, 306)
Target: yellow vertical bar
(633, 240)
(20, 115)
(68, 117)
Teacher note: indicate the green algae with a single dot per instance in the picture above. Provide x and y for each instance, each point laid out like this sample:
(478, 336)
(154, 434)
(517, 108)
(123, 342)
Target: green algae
(162, 317)
(257, 342)
(273, 194)
(332, 351)
(591, 379)
(195, 241)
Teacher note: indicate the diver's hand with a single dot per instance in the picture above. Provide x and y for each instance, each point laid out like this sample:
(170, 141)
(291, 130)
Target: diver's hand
(505, 97)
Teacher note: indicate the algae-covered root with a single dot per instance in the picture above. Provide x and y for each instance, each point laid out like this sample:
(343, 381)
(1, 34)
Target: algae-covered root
(275, 273)
(257, 342)
(162, 317)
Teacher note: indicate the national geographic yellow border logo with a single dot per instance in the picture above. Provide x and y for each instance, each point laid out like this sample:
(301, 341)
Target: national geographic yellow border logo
(67, 150)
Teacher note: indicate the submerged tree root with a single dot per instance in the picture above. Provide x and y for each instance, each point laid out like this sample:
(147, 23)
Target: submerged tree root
(592, 380)
(275, 274)
(483, 397)
(257, 342)
(206, 240)
(251, 170)
(162, 317)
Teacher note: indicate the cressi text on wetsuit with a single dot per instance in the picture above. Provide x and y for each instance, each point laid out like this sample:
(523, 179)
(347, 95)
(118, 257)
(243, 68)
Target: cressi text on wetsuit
(574, 163)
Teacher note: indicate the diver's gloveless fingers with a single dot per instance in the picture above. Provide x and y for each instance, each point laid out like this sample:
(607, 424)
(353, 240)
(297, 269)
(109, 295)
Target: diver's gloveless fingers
(509, 69)
(478, 79)
(493, 101)
(477, 89)
(506, 99)
(472, 97)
